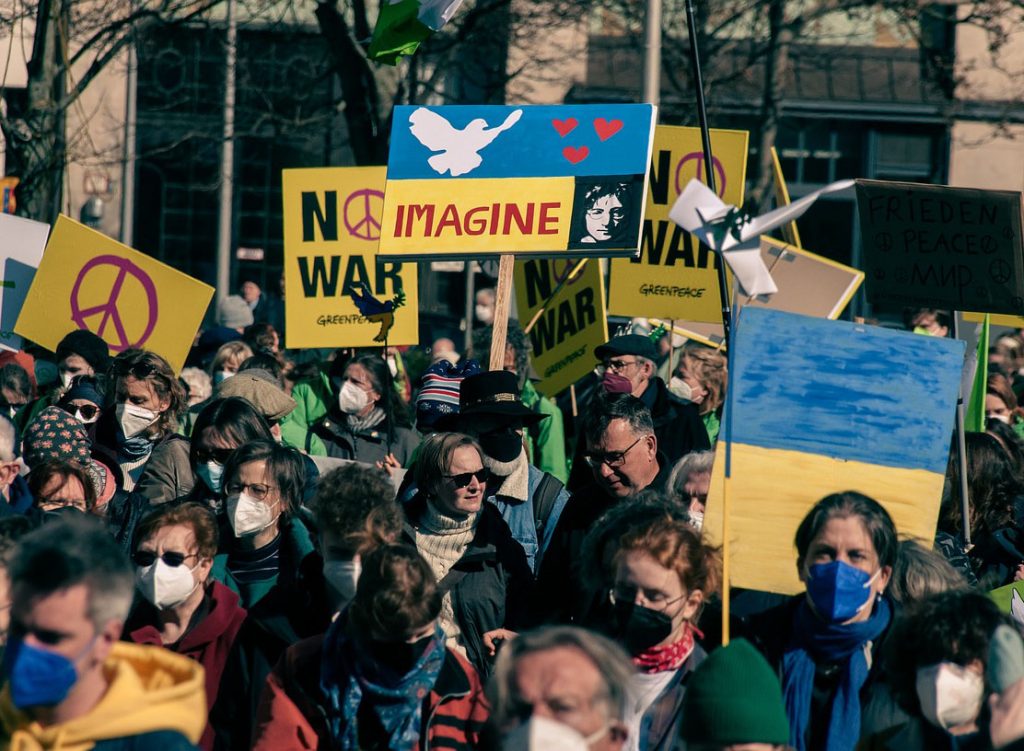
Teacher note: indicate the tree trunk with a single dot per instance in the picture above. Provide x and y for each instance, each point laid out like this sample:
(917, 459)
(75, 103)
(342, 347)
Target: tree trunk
(780, 38)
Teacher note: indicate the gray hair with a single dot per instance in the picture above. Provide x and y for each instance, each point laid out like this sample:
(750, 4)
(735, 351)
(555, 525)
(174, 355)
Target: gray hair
(611, 661)
(604, 408)
(921, 572)
(8, 440)
(694, 463)
(76, 550)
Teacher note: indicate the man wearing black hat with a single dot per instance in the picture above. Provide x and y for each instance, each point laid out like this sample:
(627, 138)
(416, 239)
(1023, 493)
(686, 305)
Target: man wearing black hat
(530, 501)
(628, 367)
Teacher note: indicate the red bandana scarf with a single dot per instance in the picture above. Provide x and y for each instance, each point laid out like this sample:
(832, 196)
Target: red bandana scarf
(668, 656)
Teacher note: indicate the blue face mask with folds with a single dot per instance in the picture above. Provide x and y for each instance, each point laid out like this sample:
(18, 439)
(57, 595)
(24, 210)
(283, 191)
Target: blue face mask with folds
(211, 473)
(38, 677)
(838, 591)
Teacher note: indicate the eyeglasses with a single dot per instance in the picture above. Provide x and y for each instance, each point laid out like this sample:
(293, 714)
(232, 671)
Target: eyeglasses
(463, 479)
(612, 458)
(616, 366)
(656, 601)
(220, 456)
(138, 370)
(257, 490)
(172, 558)
(52, 504)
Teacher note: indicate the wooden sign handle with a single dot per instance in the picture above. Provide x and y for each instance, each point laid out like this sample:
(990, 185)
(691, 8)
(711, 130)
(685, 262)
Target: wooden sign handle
(502, 307)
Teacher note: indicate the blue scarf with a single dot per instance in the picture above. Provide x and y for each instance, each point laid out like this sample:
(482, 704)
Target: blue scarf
(815, 640)
(348, 678)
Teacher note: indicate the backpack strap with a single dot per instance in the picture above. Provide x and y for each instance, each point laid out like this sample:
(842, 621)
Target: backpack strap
(544, 500)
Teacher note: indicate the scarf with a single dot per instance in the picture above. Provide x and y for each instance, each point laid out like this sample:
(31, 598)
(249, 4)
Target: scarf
(358, 424)
(812, 640)
(515, 477)
(132, 449)
(349, 679)
(668, 656)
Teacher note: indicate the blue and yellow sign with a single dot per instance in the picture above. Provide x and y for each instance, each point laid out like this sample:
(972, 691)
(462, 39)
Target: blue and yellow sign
(486, 180)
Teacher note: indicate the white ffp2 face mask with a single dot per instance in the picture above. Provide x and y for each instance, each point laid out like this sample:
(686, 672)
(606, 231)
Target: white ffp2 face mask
(248, 515)
(133, 420)
(950, 694)
(351, 399)
(680, 388)
(165, 586)
(544, 734)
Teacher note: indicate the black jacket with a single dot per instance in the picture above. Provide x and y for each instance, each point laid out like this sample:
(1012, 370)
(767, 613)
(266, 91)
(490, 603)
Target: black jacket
(491, 584)
(677, 425)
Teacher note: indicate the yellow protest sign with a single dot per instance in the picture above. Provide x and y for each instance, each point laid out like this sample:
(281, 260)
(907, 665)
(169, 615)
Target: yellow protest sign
(573, 321)
(335, 293)
(997, 319)
(674, 276)
(86, 280)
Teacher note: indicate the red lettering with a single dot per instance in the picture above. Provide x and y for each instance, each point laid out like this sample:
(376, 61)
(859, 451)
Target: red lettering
(495, 209)
(512, 212)
(546, 219)
(398, 220)
(450, 218)
(418, 211)
(474, 225)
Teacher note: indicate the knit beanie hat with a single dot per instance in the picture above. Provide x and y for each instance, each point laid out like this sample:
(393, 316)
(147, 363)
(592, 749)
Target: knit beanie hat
(86, 345)
(55, 434)
(83, 387)
(439, 391)
(234, 313)
(734, 697)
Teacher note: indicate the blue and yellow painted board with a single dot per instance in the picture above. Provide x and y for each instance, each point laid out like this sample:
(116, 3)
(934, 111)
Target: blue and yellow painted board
(820, 407)
(566, 180)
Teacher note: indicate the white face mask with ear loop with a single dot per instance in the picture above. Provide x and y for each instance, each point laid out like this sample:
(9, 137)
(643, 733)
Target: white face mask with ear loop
(249, 516)
(543, 734)
(351, 399)
(166, 586)
(951, 695)
(133, 419)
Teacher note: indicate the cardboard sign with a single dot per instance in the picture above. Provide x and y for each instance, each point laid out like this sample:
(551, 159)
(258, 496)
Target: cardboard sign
(819, 407)
(942, 247)
(21, 248)
(674, 276)
(470, 181)
(335, 293)
(809, 284)
(573, 323)
(1016, 322)
(86, 280)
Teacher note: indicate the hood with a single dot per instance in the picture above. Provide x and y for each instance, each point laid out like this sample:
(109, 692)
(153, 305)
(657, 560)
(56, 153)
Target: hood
(150, 689)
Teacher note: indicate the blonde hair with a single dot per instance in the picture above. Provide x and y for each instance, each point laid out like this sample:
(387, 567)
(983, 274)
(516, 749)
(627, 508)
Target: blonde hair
(234, 353)
(709, 367)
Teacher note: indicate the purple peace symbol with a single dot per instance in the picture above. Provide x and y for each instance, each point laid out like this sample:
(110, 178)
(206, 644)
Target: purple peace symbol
(698, 172)
(365, 225)
(560, 270)
(111, 313)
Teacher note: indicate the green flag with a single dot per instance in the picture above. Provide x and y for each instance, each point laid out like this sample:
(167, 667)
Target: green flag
(974, 421)
(403, 24)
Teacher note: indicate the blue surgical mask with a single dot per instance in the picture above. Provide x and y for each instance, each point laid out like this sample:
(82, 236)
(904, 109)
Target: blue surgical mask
(37, 676)
(212, 473)
(838, 591)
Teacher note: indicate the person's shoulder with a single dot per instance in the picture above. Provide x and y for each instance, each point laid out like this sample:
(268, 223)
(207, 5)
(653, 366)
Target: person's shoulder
(156, 740)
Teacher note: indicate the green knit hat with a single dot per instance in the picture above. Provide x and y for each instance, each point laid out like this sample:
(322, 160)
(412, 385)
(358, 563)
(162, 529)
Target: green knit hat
(734, 697)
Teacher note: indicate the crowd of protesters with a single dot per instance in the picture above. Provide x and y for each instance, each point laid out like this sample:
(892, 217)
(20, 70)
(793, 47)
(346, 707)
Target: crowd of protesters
(360, 552)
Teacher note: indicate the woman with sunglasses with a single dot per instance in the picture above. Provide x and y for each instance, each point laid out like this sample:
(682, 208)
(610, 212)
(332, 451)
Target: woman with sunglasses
(83, 400)
(480, 567)
(181, 607)
(141, 430)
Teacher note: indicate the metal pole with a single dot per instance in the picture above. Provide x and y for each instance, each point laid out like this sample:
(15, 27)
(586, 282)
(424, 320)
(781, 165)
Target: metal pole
(961, 451)
(227, 158)
(652, 53)
(128, 167)
(709, 165)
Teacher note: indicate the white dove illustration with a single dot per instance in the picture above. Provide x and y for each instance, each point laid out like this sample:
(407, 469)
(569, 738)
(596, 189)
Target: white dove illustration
(459, 148)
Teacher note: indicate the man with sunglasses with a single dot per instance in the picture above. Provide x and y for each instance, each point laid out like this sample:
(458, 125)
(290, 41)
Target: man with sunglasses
(621, 451)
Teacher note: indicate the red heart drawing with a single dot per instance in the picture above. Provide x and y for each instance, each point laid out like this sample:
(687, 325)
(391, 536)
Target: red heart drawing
(565, 127)
(607, 128)
(574, 155)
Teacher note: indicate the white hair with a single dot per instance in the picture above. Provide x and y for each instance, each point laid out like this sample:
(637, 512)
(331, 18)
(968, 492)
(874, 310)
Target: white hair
(694, 463)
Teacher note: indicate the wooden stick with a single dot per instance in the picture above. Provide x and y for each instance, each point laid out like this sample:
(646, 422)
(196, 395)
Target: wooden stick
(502, 307)
(558, 288)
(671, 347)
(572, 396)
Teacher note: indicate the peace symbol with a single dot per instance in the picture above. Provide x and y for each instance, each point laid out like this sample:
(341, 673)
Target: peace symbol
(111, 314)
(361, 213)
(1000, 271)
(560, 270)
(698, 172)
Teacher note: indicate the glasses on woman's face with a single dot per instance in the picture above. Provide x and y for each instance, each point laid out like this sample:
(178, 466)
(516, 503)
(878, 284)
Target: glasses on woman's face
(220, 456)
(87, 411)
(172, 558)
(465, 478)
(655, 600)
(257, 490)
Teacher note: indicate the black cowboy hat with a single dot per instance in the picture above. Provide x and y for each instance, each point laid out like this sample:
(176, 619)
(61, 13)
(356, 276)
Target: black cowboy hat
(490, 400)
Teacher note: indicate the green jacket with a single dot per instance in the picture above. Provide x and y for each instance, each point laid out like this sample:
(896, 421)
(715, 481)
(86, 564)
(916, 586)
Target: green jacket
(311, 400)
(546, 447)
(713, 425)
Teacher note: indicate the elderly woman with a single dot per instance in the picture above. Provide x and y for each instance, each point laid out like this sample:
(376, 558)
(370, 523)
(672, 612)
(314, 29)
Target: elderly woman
(140, 433)
(826, 642)
(703, 373)
(56, 485)
(689, 484)
(181, 608)
(481, 568)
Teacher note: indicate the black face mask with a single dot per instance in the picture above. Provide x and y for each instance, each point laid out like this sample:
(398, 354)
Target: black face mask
(399, 657)
(502, 446)
(640, 628)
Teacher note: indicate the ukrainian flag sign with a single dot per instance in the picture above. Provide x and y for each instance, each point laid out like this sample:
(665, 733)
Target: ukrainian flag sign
(567, 180)
(820, 407)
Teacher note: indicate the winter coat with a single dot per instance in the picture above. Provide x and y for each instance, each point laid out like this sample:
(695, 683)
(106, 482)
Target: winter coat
(208, 640)
(311, 402)
(367, 446)
(546, 443)
(292, 715)
(490, 585)
(166, 474)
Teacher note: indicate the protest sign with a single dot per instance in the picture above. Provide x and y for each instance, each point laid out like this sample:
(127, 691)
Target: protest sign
(1015, 322)
(21, 247)
(1010, 600)
(674, 276)
(941, 247)
(820, 407)
(809, 284)
(335, 293)
(86, 280)
(573, 323)
(471, 181)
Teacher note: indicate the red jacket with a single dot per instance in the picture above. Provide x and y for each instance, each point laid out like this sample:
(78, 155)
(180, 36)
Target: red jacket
(208, 642)
(291, 714)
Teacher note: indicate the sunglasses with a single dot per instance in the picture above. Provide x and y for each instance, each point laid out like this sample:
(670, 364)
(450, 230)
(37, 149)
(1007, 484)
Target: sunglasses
(138, 370)
(173, 559)
(220, 456)
(462, 480)
(87, 411)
